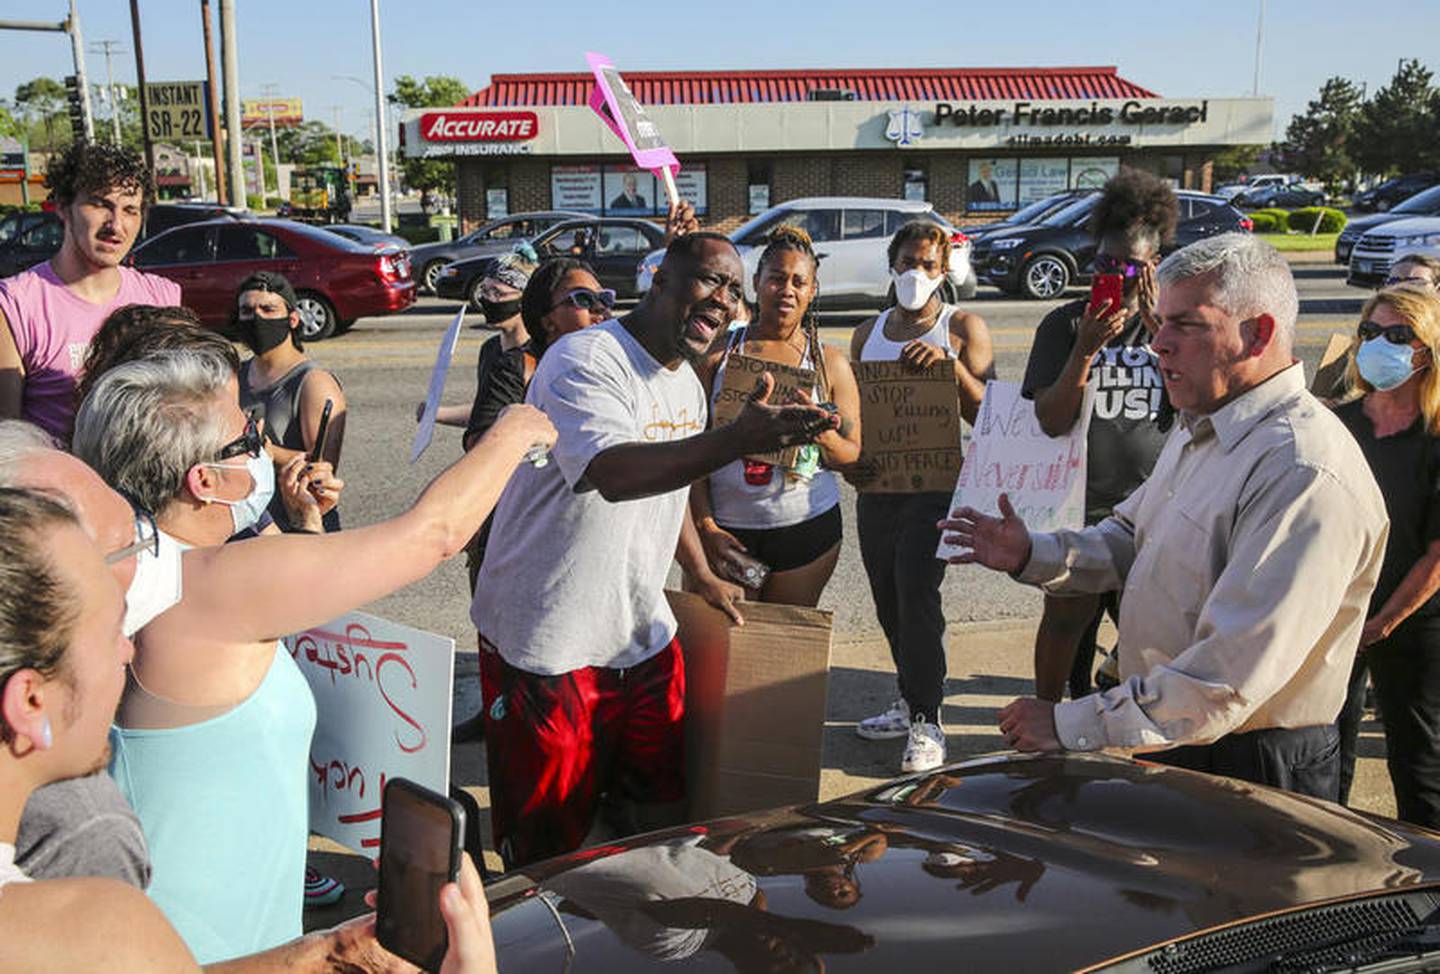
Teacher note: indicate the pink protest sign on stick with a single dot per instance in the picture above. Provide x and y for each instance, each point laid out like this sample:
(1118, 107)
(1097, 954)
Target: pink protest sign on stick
(613, 101)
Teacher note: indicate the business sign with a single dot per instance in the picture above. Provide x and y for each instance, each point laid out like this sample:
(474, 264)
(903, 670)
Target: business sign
(617, 105)
(904, 127)
(383, 696)
(177, 110)
(455, 126)
(622, 190)
(1028, 113)
(909, 426)
(285, 112)
(1040, 178)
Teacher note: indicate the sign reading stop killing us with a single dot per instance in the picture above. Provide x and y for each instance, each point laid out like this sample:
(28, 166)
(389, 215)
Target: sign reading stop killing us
(909, 426)
(1044, 476)
(613, 101)
(742, 372)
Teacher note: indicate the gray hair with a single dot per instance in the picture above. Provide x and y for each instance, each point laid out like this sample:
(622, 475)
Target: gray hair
(19, 440)
(1250, 278)
(147, 422)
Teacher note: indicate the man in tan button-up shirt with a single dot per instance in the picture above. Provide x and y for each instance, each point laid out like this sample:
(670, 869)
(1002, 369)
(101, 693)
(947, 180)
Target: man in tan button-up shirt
(1246, 560)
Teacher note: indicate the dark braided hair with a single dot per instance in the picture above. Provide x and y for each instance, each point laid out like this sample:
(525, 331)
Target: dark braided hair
(786, 237)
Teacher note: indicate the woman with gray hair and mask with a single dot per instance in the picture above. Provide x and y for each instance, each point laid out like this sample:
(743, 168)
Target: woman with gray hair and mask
(211, 686)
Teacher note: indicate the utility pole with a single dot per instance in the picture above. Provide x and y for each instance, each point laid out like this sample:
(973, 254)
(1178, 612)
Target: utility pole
(1259, 35)
(381, 147)
(140, 81)
(339, 146)
(213, 107)
(108, 48)
(229, 65)
(77, 48)
(268, 90)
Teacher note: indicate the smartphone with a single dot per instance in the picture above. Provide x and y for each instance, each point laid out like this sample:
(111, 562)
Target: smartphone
(319, 449)
(472, 844)
(1107, 287)
(421, 838)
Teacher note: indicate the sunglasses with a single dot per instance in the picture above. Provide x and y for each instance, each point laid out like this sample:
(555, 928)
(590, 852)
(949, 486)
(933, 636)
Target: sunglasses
(1394, 334)
(248, 443)
(1105, 264)
(147, 538)
(587, 300)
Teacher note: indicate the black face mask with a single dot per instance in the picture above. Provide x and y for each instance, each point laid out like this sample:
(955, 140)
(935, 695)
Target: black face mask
(263, 334)
(496, 311)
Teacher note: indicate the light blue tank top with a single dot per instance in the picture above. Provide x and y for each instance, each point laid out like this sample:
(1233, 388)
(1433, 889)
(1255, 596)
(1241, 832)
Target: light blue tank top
(223, 804)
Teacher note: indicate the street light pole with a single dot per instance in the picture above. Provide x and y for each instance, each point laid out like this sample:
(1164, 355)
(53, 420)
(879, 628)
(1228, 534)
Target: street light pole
(108, 48)
(77, 47)
(1259, 36)
(230, 68)
(381, 149)
(268, 90)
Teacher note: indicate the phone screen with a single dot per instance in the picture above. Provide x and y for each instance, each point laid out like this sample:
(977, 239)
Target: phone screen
(420, 835)
(1107, 287)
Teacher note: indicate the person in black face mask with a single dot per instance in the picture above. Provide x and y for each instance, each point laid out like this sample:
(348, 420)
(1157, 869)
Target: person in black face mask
(288, 391)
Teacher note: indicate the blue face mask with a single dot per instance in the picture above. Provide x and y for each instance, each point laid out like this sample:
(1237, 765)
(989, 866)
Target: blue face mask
(1384, 364)
(246, 512)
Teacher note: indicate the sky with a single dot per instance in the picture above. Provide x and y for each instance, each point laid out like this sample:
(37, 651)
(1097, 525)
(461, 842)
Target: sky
(320, 50)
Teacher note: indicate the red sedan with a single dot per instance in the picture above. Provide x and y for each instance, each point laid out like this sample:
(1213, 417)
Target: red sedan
(337, 280)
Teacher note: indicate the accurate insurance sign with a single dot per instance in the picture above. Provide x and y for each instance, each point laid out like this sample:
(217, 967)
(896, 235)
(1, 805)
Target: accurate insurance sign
(461, 133)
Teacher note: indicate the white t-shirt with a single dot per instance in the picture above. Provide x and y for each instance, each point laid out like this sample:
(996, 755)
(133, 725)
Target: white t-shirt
(9, 872)
(571, 580)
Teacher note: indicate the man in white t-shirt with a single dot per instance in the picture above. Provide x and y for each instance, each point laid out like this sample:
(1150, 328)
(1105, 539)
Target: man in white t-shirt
(583, 680)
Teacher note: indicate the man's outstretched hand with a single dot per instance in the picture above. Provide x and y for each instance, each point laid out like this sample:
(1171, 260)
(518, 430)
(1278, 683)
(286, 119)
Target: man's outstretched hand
(761, 427)
(1001, 543)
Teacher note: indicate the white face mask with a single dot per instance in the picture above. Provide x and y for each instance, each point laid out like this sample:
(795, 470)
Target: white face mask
(155, 587)
(914, 287)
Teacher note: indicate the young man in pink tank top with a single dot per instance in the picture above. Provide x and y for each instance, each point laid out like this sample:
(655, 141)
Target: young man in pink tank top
(49, 313)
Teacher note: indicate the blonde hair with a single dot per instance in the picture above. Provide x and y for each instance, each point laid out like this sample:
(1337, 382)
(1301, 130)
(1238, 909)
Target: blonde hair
(1430, 264)
(1420, 308)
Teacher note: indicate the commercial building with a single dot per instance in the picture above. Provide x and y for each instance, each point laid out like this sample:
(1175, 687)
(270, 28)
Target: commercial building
(975, 142)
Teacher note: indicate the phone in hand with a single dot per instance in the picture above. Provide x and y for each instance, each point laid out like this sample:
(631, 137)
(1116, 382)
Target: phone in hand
(1107, 287)
(421, 839)
(318, 450)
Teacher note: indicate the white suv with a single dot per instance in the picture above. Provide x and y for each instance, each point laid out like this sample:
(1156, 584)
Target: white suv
(852, 238)
(1376, 250)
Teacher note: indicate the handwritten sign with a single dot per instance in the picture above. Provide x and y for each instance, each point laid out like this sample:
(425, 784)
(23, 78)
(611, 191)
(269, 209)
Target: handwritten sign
(1329, 382)
(383, 695)
(426, 431)
(909, 426)
(1010, 454)
(741, 374)
(614, 102)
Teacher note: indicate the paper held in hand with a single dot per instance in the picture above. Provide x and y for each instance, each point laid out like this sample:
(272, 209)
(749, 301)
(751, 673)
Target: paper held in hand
(1010, 454)
(613, 101)
(1329, 381)
(446, 353)
(909, 426)
(741, 374)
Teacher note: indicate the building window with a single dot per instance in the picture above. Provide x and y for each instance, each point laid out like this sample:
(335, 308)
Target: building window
(623, 190)
(917, 181)
(758, 187)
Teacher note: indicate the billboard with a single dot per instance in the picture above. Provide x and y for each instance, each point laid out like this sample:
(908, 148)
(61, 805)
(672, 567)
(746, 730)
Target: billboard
(257, 112)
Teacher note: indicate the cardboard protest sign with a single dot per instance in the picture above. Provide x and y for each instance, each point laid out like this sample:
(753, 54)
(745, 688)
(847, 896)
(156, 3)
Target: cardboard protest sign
(382, 696)
(1329, 381)
(754, 704)
(426, 431)
(909, 426)
(1010, 454)
(613, 101)
(741, 374)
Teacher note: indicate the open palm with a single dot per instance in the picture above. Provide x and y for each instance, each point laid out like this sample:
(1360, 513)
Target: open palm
(1001, 543)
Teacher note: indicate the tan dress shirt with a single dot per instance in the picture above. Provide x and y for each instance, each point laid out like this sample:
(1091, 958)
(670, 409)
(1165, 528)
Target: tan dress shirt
(1247, 561)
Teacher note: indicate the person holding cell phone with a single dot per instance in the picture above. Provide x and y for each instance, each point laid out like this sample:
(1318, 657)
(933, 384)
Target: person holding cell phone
(283, 387)
(1103, 341)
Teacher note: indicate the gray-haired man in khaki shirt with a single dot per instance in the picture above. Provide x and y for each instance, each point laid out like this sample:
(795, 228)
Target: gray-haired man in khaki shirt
(1246, 559)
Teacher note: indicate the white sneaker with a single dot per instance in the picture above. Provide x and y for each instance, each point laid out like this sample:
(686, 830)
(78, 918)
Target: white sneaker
(925, 750)
(894, 722)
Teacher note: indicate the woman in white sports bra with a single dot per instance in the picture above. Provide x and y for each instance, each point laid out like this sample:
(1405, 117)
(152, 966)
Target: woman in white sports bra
(788, 519)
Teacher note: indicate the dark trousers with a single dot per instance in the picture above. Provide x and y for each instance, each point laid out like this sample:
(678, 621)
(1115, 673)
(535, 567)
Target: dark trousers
(1305, 760)
(1083, 669)
(898, 538)
(1405, 669)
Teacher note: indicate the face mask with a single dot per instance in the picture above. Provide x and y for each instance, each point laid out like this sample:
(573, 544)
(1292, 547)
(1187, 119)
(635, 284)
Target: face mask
(1385, 365)
(263, 334)
(155, 587)
(913, 288)
(246, 512)
(497, 311)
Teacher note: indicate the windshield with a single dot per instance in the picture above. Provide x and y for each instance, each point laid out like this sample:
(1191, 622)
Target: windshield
(1034, 211)
(1427, 201)
(1067, 215)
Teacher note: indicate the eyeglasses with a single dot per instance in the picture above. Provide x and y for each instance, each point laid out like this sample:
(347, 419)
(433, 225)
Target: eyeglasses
(1410, 279)
(1394, 334)
(1124, 266)
(248, 442)
(587, 300)
(147, 538)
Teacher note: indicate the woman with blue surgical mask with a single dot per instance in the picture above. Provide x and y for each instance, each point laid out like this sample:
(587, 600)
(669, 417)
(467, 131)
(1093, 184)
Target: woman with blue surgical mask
(1396, 420)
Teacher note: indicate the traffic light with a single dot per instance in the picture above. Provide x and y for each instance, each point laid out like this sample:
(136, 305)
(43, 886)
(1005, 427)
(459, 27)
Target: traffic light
(73, 95)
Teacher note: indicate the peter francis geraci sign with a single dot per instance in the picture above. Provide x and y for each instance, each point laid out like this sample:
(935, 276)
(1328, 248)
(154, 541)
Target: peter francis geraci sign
(1028, 113)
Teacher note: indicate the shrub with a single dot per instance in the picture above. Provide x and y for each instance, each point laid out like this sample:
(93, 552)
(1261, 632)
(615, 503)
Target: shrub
(1303, 220)
(254, 201)
(1266, 222)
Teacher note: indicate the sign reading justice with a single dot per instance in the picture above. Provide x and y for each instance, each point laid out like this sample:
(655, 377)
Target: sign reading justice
(742, 372)
(909, 426)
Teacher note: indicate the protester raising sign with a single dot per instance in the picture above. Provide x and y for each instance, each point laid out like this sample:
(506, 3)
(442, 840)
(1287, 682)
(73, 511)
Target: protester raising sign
(742, 372)
(613, 101)
(1010, 454)
(909, 426)
(382, 696)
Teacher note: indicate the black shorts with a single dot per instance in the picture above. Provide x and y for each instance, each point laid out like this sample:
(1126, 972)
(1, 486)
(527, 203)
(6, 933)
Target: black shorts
(795, 545)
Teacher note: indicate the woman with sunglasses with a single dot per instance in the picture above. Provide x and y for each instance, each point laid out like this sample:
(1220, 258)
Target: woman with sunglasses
(1396, 421)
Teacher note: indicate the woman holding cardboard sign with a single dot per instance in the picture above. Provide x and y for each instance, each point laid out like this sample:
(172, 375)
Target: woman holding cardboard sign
(774, 527)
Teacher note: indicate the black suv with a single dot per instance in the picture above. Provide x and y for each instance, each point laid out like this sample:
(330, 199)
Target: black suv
(1040, 260)
(1392, 191)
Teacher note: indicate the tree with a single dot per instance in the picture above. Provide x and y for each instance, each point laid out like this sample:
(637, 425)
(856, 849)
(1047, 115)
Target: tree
(1396, 131)
(43, 100)
(1229, 164)
(434, 92)
(1320, 143)
(309, 144)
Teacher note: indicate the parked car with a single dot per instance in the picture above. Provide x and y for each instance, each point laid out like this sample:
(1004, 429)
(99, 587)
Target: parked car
(1003, 863)
(1424, 203)
(166, 216)
(1394, 191)
(1377, 249)
(1029, 213)
(26, 239)
(851, 236)
(495, 237)
(460, 280)
(1042, 259)
(337, 280)
(374, 238)
(1283, 197)
(1269, 180)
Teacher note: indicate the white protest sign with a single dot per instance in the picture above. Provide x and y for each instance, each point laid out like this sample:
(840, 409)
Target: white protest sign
(1010, 454)
(383, 697)
(426, 431)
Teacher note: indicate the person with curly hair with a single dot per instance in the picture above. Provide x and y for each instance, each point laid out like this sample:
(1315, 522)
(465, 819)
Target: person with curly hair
(1078, 345)
(49, 313)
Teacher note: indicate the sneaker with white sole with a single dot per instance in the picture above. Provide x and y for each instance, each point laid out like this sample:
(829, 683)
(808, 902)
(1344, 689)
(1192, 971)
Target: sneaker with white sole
(894, 722)
(925, 750)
